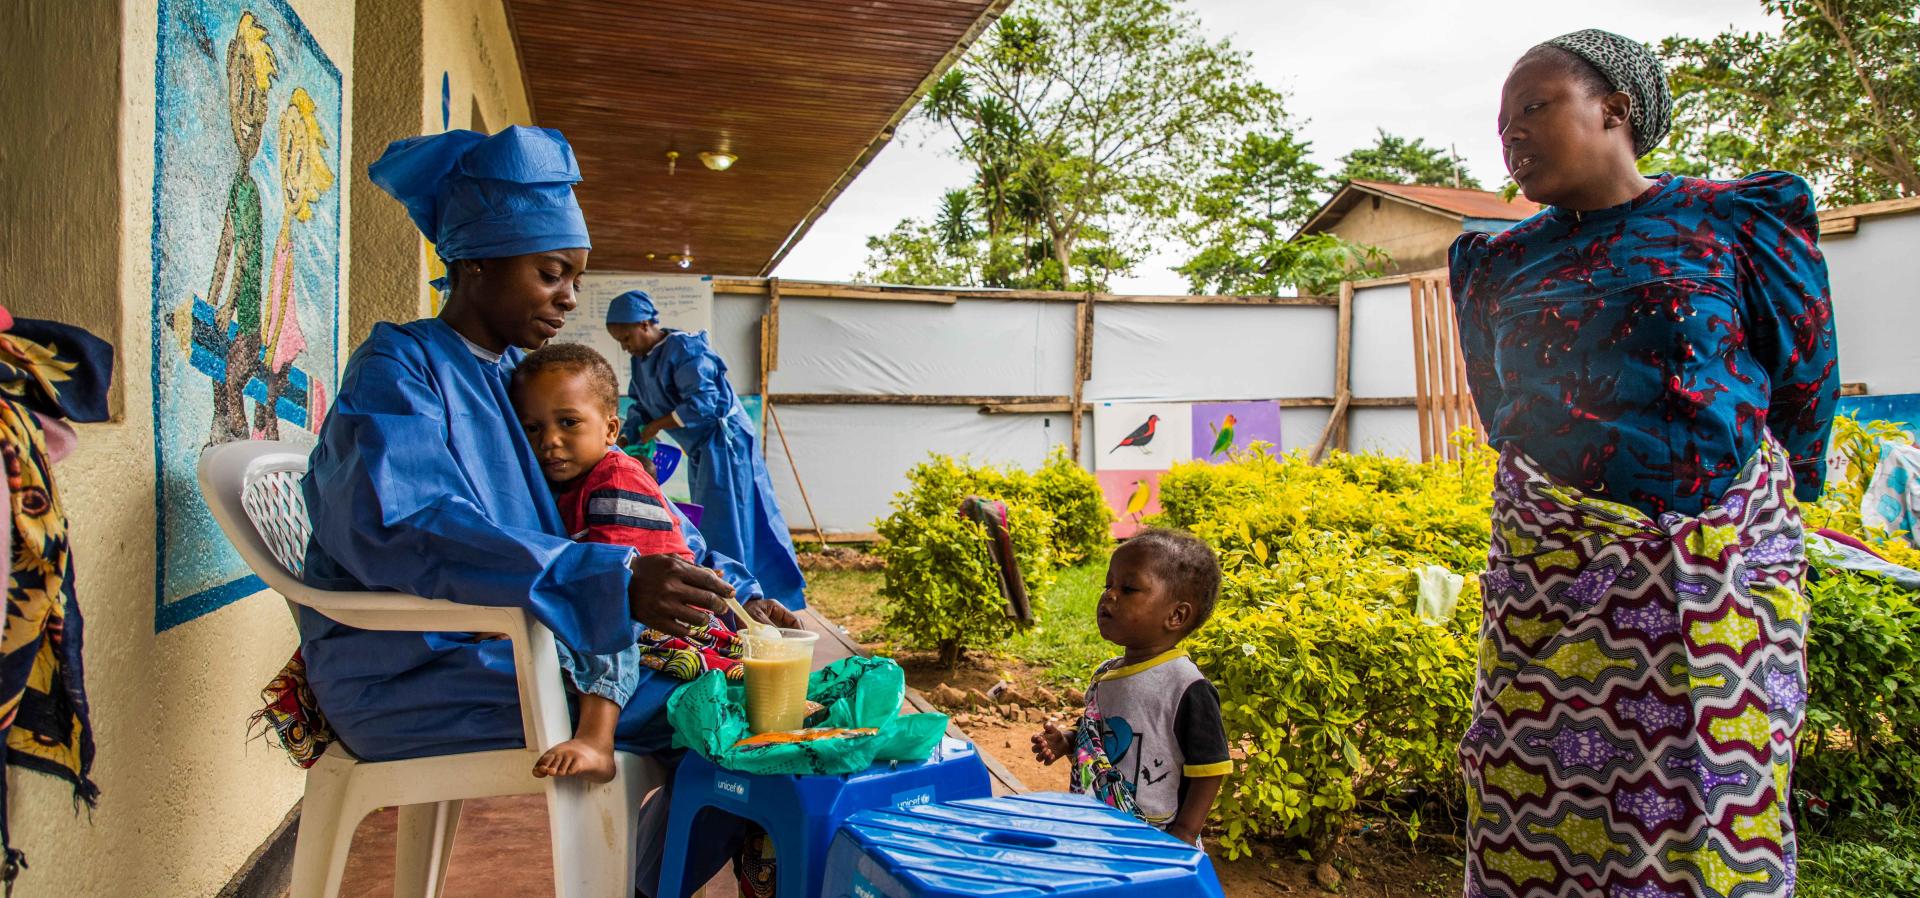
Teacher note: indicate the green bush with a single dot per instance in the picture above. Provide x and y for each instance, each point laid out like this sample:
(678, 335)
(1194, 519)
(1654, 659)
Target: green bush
(1082, 524)
(1437, 512)
(942, 587)
(1861, 745)
(1343, 698)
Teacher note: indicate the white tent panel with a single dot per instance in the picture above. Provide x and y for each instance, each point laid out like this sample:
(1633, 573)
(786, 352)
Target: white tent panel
(1383, 341)
(736, 336)
(1876, 302)
(1392, 431)
(1300, 427)
(1153, 351)
(854, 458)
(971, 348)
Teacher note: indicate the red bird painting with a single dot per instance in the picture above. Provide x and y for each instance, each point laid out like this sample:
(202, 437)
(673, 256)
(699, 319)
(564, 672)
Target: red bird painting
(1140, 436)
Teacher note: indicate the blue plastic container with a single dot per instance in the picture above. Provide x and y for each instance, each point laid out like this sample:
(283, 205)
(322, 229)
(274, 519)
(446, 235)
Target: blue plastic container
(801, 813)
(1041, 845)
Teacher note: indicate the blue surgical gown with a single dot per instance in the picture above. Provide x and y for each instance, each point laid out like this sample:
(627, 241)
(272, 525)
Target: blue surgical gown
(732, 571)
(423, 482)
(725, 473)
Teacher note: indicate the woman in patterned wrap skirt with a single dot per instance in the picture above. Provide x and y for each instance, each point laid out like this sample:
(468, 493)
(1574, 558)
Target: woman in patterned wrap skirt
(1654, 358)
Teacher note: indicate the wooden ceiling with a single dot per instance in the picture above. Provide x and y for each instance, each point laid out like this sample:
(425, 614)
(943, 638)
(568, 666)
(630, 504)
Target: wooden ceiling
(804, 92)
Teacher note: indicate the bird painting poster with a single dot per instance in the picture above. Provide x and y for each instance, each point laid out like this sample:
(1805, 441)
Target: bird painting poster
(1134, 496)
(1222, 430)
(1141, 436)
(1135, 443)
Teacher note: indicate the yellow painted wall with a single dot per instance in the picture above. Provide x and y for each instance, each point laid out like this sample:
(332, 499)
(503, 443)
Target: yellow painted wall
(1415, 239)
(185, 798)
(61, 95)
(404, 52)
(470, 42)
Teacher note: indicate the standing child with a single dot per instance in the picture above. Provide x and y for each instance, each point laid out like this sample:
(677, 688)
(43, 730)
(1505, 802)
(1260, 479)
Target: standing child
(566, 398)
(1151, 742)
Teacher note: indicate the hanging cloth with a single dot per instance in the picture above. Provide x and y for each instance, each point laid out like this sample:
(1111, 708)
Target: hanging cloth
(61, 372)
(992, 514)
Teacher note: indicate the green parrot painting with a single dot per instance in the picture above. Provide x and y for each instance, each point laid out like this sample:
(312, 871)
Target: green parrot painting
(1223, 436)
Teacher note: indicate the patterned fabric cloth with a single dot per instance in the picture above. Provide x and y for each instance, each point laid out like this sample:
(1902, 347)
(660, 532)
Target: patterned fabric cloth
(1640, 687)
(1641, 353)
(292, 718)
(1631, 67)
(61, 372)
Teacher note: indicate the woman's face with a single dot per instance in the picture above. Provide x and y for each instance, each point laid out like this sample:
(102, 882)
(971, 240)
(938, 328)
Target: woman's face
(524, 300)
(1560, 135)
(638, 339)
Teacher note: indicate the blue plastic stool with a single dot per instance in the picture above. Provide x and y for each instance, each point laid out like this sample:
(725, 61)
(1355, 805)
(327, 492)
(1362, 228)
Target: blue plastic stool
(801, 813)
(1048, 844)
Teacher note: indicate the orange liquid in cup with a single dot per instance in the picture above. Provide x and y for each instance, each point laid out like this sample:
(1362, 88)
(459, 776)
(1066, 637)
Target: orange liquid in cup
(776, 681)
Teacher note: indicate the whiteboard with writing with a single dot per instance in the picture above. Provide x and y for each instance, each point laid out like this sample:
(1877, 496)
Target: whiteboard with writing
(685, 302)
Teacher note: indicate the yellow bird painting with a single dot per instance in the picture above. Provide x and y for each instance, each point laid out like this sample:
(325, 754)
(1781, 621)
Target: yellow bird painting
(1137, 503)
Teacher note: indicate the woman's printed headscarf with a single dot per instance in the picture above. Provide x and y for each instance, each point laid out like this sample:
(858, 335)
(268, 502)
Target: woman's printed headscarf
(1630, 67)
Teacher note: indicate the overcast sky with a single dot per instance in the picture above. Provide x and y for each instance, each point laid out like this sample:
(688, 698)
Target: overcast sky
(1417, 68)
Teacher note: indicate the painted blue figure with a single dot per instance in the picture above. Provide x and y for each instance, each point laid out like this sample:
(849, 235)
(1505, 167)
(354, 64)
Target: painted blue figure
(423, 481)
(679, 386)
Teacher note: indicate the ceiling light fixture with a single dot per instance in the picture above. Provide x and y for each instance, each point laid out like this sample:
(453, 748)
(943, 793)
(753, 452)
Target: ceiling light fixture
(673, 156)
(718, 161)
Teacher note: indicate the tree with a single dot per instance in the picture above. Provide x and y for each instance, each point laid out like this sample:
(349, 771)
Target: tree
(1401, 161)
(1244, 213)
(1090, 124)
(1835, 97)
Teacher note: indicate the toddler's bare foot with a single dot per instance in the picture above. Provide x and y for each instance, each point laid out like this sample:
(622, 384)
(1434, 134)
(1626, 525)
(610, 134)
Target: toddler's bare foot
(577, 757)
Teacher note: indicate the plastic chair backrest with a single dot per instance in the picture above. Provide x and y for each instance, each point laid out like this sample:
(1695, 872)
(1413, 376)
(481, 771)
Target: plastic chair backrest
(278, 510)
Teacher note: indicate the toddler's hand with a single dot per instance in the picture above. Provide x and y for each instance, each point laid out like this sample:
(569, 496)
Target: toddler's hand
(1050, 744)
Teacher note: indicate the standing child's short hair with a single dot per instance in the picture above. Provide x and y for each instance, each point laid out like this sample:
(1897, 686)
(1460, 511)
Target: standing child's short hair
(1187, 564)
(576, 358)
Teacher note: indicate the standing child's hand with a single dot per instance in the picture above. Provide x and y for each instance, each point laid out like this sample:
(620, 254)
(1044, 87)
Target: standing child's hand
(1050, 744)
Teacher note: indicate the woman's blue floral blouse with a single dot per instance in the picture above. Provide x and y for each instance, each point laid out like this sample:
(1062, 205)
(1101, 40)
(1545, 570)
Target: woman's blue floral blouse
(1641, 352)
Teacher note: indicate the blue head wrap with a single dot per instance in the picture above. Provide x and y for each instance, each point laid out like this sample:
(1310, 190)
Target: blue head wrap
(632, 307)
(481, 197)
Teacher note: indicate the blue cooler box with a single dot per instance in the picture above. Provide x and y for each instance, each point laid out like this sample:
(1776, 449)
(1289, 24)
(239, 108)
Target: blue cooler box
(1041, 845)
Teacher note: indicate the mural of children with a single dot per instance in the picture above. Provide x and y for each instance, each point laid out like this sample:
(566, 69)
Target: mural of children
(237, 263)
(304, 176)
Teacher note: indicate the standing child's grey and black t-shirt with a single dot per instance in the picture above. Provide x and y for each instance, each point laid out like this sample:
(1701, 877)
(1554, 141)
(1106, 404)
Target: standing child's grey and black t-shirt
(1148, 728)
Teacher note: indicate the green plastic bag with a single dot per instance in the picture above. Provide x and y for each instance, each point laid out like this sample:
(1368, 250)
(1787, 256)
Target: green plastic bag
(709, 716)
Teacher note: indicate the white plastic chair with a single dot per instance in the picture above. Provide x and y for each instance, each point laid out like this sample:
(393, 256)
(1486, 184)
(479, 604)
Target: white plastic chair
(253, 489)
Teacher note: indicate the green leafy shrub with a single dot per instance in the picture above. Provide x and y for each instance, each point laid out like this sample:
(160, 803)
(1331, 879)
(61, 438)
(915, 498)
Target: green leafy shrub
(1861, 745)
(1436, 512)
(1082, 525)
(942, 587)
(1343, 698)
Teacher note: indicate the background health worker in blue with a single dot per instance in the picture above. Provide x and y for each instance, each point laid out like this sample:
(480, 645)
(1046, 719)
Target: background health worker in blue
(679, 386)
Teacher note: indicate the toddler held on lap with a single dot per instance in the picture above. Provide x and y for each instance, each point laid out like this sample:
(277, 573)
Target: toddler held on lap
(566, 397)
(1151, 742)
